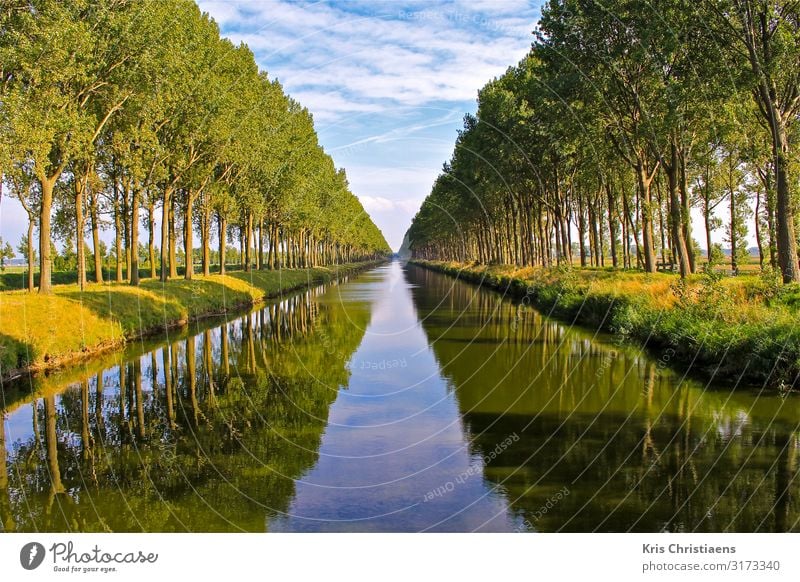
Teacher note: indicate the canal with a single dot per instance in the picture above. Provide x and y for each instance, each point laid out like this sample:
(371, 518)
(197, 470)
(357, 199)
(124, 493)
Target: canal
(398, 400)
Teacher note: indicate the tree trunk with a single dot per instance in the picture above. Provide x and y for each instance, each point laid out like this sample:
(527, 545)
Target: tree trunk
(45, 286)
(166, 202)
(188, 243)
(126, 221)
(173, 261)
(205, 229)
(80, 249)
(707, 221)
(222, 231)
(773, 239)
(686, 212)
(248, 237)
(612, 226)
(784, 215)
(133, 266)
(260, 255)
(646, 213)
(117, 237)
(30, 253)
(734, 237)
(758, 229)
(581, 231)
(98, 258)
(151, 243)
(676, 221)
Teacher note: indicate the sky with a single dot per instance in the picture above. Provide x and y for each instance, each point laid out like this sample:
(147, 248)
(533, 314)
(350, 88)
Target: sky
(388, 82)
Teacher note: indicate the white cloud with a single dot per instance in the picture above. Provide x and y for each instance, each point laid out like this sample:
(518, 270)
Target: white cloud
(441, 52)
(327, 106)
(380, 204)
(377, 203)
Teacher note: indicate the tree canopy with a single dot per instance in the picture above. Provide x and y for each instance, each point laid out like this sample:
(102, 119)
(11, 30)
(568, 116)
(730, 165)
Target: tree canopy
(125, 113)
(624, 117)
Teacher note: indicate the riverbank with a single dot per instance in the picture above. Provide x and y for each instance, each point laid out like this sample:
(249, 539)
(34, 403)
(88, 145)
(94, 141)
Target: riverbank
(39, 333)
(738, 330)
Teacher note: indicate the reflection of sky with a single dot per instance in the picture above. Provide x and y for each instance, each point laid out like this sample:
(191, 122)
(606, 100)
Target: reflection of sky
(19, 423)
(394, 435)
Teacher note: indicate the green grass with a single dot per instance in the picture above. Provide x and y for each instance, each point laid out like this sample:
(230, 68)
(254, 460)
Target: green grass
(16, 277)
(40, 332)
(741, 330)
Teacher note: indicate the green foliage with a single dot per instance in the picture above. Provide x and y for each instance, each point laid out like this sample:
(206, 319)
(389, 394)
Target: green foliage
(22, 248)
(66, 260)
(6, 253)
(622, 120)
(116, 107)
(716, 257)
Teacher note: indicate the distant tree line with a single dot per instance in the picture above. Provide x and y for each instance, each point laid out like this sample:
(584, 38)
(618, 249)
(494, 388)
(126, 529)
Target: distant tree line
(127, 113)
(625, 116)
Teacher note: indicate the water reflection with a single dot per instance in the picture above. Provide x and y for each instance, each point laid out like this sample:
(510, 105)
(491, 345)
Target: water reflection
(402, 400)
(636, 446)
(394, 456)
(207, 432)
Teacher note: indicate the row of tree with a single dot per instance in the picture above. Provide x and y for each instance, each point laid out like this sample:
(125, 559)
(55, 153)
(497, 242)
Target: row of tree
(125, 114)
(623, 118)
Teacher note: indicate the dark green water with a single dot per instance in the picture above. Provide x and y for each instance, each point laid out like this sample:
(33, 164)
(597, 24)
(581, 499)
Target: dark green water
(401, 400)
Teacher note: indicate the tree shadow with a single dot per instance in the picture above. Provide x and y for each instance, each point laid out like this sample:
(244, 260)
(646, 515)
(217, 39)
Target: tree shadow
(15, 354)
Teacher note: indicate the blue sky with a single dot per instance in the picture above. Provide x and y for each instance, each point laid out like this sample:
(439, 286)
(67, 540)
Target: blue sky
(388, 82)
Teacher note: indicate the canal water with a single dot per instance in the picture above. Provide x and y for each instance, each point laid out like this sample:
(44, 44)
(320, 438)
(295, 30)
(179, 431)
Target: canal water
(398, 400)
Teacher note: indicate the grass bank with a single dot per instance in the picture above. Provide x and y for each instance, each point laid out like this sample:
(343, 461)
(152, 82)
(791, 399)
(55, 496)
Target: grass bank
(44, 332)
(742, 330)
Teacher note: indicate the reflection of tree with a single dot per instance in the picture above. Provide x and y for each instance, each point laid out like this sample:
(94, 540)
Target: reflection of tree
(51, 444)
(169, 356)
(636, 448)
(210, 437)
(6, 517)
(136, 366)
(785, 474)
(99, 401)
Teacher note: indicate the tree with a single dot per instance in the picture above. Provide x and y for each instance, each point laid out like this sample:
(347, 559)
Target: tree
(765, 34)
(65, 90)
(6, 253)
(127, 108)
(597, 134)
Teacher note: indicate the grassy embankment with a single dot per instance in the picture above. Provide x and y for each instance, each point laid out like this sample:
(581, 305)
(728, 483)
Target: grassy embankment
(735, 329)
(42, 332)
